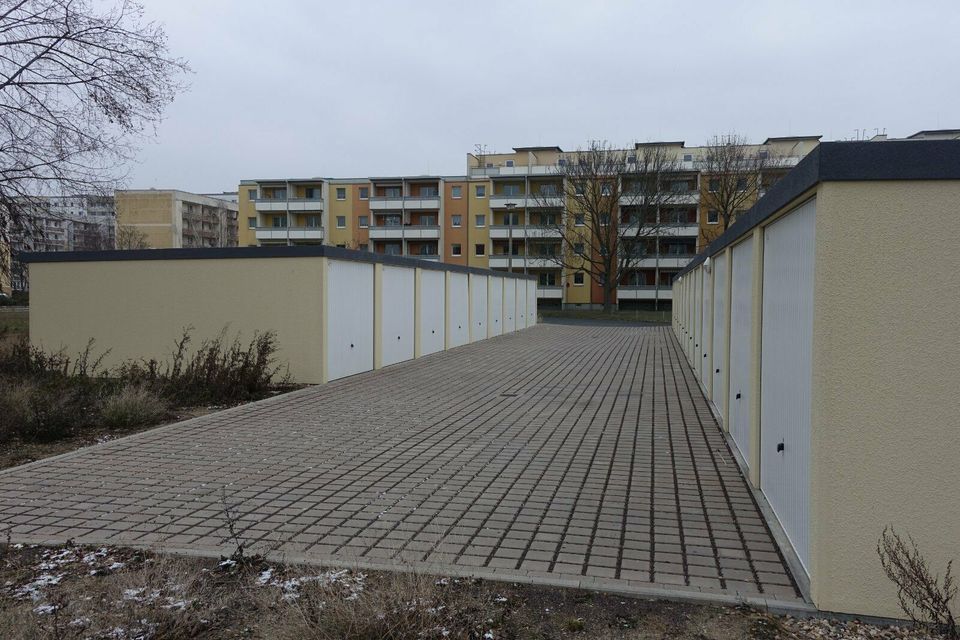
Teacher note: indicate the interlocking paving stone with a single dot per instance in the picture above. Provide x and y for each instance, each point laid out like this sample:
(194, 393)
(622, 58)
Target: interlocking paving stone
(574, 454)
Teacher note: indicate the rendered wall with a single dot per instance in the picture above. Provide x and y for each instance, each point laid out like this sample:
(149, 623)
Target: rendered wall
(886, 425)
(137, 308)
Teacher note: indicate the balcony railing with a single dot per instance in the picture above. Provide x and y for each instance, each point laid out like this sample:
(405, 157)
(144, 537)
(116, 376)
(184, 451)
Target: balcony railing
(288, 204)
(289, 233)
(404, 202)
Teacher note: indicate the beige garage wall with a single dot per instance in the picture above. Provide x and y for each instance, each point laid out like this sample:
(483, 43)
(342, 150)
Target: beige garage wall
(886, 384)
(138, 308)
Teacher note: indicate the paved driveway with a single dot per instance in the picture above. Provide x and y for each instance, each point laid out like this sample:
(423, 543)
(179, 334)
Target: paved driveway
(571, 455)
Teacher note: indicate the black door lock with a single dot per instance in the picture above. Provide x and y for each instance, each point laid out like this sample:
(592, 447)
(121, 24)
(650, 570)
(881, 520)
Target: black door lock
(717, 371)
(779, 447)
(738, 396)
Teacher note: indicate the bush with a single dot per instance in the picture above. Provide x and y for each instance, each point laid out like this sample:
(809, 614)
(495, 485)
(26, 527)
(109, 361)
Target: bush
(44, 411)
(132, 406)
(218, 372)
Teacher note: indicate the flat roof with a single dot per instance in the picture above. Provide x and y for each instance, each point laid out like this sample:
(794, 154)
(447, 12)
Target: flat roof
(219, 253)
(789, 138)
(666, 143)
(844, 162)
(522, 149)
(934, 132)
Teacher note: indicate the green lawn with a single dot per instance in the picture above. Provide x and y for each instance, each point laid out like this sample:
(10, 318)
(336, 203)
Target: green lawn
(637, 315)
(14, 322)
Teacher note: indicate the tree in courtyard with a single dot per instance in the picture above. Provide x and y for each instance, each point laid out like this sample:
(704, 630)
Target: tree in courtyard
(734, 173)
(604, 215)
(80, 82)
(129, 237)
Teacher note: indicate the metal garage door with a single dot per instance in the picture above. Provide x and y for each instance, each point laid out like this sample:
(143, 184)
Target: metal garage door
(521, 298)
(349, 318)
(531, 303)
(396, 324)
(706, 324)
(432, 295)
(495, 306)
(509, 305)
(719, 340)
(785, 378)
(478, 307)
(458, 318)
(741, 345)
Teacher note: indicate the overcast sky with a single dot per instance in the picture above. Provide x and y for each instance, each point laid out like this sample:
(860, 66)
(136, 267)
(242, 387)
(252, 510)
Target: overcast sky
(342, 89)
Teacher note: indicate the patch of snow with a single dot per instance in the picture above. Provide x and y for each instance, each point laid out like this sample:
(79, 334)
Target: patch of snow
(44, 609)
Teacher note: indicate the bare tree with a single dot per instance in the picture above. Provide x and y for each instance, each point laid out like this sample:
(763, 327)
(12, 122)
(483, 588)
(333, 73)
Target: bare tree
(129, 237)
(79, 83)
(605, 216)
(734, 172)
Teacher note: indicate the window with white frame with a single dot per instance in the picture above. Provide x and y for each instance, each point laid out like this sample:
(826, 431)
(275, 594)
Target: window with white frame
(456, 250)
(341, 222)
(713, 216)
(481, 220)
(578, 278)
(456, 192)
(456, 221)
(341, 193)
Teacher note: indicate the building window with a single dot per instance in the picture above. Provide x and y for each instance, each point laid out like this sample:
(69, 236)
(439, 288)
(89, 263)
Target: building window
(456, 221)
(363, 221)
(509, 163)
(688, 157)
(480, 249)
(252, 223)
(714, 185)
(280, 222)
(456, 192)
(313, 221)
(341, 222)
(428, 221)
(364, 193)
(511, 189)
(312, 193)
(763, 155)
(578, 189)
(341, 193)
(481, 190)
(547, 279)
(252, 194)
(631, 159)
(391, 192)
(741, 184)
(579, 220)
(713, 216)
(578, 278)
(455, 250)
(578, 248)
(481, 220)
(429, 192)
(606, 189)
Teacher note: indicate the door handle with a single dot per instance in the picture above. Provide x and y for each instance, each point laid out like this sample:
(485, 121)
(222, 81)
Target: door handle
(779, 447)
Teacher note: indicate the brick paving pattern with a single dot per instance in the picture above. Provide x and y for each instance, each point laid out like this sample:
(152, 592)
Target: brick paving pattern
(572, 455)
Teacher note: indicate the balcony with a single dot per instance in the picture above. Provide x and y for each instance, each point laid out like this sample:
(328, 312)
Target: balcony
(501, 261)
(645, 292)
(691, 196)
(665, 261)
(500, 201)
(396, 203)
(276, 234)
(691, 230)
(504, 232)
(534, 170)
(289, 204)
(405, 232)
(549, 293)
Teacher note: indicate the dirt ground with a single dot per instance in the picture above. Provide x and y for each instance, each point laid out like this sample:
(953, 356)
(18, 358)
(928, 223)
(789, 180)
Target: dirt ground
(107, 592)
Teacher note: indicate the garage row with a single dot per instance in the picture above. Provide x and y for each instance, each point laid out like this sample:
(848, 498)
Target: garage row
(822, 328)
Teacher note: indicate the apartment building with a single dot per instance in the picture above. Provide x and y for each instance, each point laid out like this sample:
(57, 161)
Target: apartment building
(170, 218)
(497, 216)
(59, 223)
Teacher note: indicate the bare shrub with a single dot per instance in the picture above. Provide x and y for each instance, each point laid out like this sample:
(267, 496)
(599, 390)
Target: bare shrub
(219, 371)
(42, 411)
(133, 405)
(923, 596)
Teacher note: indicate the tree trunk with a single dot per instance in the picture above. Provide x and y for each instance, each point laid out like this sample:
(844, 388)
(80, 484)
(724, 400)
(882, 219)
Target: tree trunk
(607, 297)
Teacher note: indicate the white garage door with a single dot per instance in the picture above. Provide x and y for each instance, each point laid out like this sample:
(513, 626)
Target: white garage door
(531, 303)
(741, 345)
(785, 380)
(432, 294)
(349, 318)
(706, 324)
(719, 340)
(495, 306)
(458, 320)
(478, 307)
(396, 326)
(509, 305)
(521, 298)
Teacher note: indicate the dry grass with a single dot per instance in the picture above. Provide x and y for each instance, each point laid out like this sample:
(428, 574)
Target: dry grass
(77, 592)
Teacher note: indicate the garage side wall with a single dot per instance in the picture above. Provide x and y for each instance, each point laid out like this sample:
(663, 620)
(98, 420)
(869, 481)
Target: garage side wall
(138, 308)
(886, 376)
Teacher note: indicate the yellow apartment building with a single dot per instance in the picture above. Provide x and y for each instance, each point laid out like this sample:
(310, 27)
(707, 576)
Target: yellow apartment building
(172, 219)
(494, 216)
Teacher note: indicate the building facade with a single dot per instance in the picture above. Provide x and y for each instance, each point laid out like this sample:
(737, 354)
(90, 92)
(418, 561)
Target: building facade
(496, 216)
(172, 219)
